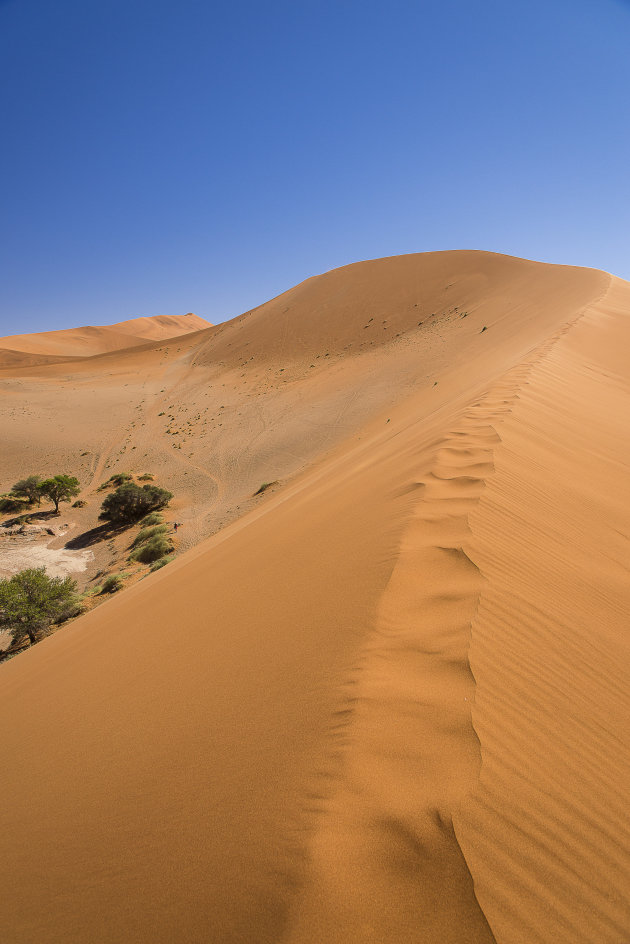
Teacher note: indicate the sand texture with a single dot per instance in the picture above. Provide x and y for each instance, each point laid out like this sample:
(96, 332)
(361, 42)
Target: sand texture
(385, 701)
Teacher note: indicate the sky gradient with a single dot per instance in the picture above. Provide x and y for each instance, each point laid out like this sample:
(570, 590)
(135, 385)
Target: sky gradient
(166, 157)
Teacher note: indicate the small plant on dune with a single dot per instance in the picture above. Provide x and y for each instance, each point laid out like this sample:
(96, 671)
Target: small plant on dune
(111, 584)
(264, 487)
(156, 547)
(153, 518)
(147, 477)
(161, 562)
(148, 533)
(115, 480)
(79, 503)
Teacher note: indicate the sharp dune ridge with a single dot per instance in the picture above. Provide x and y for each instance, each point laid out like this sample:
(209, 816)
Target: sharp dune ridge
(385, 701)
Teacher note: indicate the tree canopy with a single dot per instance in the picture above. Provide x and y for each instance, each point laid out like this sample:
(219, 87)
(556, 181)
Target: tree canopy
(28, 488)
(130, 502)
(60, 488)
(31, 600)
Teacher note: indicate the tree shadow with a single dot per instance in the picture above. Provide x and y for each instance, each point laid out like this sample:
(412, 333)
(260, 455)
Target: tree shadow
(29, 516)
(95, 535)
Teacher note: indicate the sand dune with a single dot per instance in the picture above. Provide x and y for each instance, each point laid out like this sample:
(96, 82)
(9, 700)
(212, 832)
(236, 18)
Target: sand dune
(384, 702)
(53, 346)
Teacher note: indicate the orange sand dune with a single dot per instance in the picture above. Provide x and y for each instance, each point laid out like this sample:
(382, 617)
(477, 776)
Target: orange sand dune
(50, 346)
(386, 703)
(162, 327)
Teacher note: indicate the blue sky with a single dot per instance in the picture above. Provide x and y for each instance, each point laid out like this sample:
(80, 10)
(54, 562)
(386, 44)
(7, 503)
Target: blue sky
(163, 157)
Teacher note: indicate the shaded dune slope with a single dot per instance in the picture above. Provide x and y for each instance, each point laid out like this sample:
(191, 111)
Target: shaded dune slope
(389, 703)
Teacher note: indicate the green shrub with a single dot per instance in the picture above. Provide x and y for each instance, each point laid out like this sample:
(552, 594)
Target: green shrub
(147, 533)
(8, 505)
(115, 480)
(130, 502)
(161, 562)
(111, 584)
(149, 520)
(155, 547)
(147, 477)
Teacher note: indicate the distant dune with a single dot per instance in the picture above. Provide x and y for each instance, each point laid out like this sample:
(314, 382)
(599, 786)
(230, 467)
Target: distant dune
(387, 699)
(53, 346)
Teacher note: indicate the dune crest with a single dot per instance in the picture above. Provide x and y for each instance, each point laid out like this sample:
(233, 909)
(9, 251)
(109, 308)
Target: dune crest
(54, 346)
(386, 700)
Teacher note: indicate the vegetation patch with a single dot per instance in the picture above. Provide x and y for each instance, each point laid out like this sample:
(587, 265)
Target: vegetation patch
(31, 490)
(156, 547)
(112, 584)
(31, 600)
(115, 480)
(152, 518)
(264, 487)
(148, 533)
(130, 502)
(161, 562)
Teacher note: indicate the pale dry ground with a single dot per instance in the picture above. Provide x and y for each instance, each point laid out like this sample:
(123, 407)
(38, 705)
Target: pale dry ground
(385, 704)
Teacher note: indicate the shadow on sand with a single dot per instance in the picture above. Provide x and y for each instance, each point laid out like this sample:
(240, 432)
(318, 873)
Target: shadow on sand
(95, 535)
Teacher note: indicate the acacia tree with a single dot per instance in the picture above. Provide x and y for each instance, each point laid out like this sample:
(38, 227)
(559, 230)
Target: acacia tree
(28, 488)
(60, 488)
(31, 600)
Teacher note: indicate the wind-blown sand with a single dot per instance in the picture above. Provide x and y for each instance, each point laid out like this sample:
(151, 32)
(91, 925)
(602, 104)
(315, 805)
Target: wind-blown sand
(54, 346)
(385, 701)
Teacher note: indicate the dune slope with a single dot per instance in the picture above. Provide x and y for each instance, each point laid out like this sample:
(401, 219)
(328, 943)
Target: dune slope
(388, 702)
(53, 346)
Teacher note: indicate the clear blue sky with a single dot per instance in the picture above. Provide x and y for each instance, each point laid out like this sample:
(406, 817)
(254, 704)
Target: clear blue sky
(162, 157)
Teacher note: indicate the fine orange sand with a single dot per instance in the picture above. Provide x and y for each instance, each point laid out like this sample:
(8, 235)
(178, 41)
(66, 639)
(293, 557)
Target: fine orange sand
(53, 346)
(385, 701)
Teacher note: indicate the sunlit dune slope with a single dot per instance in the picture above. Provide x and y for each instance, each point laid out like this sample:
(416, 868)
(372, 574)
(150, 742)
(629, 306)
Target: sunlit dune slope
(162, 327)
(387, 702)
(48, 346)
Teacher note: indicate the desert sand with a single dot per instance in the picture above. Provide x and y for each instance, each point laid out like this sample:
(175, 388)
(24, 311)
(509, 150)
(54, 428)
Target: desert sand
(54, 346)
(385, 700)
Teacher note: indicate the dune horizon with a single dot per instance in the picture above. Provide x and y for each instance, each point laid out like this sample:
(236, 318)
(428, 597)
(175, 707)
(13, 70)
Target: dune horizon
(380, 694)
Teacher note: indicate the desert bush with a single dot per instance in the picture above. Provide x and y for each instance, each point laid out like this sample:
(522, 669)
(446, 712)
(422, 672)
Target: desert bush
(264, 487)
(156, 547)
(147, 477)
(153, 518)
(9, 504)
(150, 532)
(130, 502)
(115, 480)
(111, 584)
(79, 503)
(161, 562)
